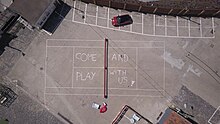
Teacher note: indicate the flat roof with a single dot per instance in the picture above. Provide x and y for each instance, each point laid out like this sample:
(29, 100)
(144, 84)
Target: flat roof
(31, 10)
(171, 117)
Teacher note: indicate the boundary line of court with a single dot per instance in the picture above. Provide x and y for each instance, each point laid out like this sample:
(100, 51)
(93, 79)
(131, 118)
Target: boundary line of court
(100, 88)
(213, 115)
(77, 94)
(102, 47)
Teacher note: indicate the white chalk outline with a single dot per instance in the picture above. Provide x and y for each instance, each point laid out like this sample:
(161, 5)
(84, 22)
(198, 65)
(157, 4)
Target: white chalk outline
(51, 40)
(100, 88)
(177, 26)
(73, 62)
(111, 95)
(213, 115)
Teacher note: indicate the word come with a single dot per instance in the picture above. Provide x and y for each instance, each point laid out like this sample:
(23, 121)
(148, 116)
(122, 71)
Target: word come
(86, 57)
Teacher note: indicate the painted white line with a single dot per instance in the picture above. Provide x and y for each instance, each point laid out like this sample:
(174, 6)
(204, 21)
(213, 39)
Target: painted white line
(165, 25)
(100, 88)
(177, 26)
(200, 26)
(51, 40)
(127, 117)
(137, 23)
(85, 13)
(96, 47)
(45, 73)
(96, 19)
(164, 71)
(213, 26)
(130, 41)
(189, 28)
(145, 34)
(142, 23)
(73, 61)
(213, 115)
(108, 18)
(136, 68)
(74, 10)
(102, 18)
(102, 67)
(154, 25)
(57, 94)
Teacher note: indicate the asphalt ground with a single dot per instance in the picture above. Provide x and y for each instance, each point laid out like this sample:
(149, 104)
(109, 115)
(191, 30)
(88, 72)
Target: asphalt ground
(65, 71)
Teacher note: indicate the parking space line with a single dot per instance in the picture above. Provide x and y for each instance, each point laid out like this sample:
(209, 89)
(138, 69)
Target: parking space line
(108, 18)
(74, 10)
(189, 28)
(131, 25)
(142, 23)
(85, 13)
(213, 27)
(165, 25)
(96, 15)
(177, 25)
(154, 24)
(91, 15)
(200, 26)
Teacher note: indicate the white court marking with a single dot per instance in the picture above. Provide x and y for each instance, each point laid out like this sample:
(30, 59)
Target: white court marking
(73, 49)
(213, 115)
(142, 24)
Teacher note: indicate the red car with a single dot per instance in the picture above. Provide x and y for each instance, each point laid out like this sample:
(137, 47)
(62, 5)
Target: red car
(122, 20)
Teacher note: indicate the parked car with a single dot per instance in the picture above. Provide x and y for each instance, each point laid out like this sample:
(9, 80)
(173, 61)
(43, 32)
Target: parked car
(121, 20)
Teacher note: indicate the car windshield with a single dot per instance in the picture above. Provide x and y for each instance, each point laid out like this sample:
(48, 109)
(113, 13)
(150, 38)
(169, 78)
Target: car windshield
(124, 18)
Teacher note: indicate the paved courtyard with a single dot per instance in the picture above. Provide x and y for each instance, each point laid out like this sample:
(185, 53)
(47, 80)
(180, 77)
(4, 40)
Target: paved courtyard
(148, 63)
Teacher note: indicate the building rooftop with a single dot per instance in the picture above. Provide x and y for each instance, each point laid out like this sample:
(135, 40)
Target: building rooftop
(31, 10)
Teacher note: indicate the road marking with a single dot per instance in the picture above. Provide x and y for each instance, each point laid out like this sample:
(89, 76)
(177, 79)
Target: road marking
(85, 13)
(142, 23)
(96, 47)
(165, 25)
(189, 28)
(74, 10)
(200, 26)
(108, 18)
(154, 24)
(112, 95)
(213, 115)
(73, 63)
(96, 17)
(100, 88)
(213, 27)
(164, 72)
(45, 73)
(136, 67)
(177, 26)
